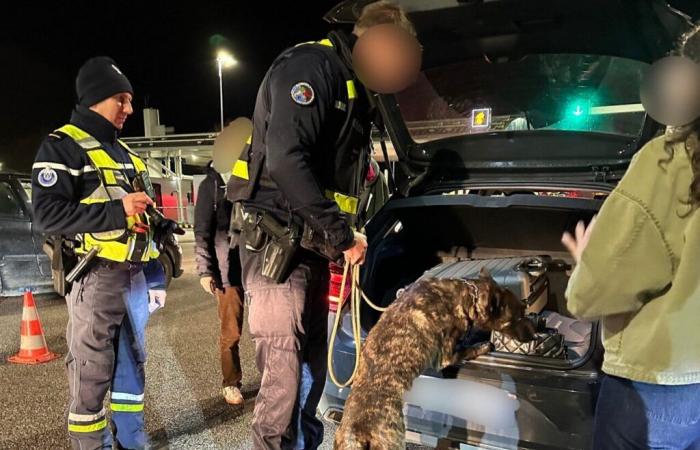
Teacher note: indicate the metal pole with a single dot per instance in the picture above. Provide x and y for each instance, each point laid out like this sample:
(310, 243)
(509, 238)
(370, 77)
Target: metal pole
(221, 93)
(178, 183)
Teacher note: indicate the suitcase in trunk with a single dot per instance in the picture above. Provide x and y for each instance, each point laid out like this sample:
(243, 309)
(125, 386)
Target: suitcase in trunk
(524, 277)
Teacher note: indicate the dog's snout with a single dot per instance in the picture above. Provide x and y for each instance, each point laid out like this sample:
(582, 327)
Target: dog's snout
(524, 330)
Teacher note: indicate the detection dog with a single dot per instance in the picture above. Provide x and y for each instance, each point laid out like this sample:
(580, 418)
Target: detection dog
(420, 330)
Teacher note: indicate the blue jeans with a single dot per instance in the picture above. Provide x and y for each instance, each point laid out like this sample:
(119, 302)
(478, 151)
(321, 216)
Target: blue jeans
(633, 415)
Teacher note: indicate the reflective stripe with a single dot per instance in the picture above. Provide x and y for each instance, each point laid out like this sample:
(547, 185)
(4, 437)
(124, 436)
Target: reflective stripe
(249, 140)
(352, 92)
(126, 396)
(324, 42)
(86, 417)
(88, 428)
(341, 105)
(240, 169)
(123, 407)
(101, 159)
(57, 166)
(82, 138)
(110, 178)
(346, 203)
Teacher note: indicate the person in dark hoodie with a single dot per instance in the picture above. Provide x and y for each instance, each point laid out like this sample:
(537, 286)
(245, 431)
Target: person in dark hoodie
(82, 189)
(219, 269)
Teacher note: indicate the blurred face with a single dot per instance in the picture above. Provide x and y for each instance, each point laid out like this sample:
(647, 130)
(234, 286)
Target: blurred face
(115, 109)
(386, 58)
(671, 91)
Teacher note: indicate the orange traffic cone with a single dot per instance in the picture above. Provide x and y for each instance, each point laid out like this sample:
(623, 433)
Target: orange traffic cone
(32, 347)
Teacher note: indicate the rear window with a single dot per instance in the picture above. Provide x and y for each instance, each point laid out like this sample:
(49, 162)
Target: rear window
(537, 92)
(9, 204)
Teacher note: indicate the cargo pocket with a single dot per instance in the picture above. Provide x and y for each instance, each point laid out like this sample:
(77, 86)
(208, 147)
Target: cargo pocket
(91, 385)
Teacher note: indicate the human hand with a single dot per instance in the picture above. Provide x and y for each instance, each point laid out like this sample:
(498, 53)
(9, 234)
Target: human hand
(207, 283)
(136, 203)
(576, 244)
(156, 299)
(356, 253)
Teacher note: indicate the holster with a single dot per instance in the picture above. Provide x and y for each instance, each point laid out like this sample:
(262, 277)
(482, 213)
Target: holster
(277, 244)
(63, 259)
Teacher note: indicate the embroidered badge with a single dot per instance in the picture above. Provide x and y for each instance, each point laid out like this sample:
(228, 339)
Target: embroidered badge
(47, 177)
(303, 93)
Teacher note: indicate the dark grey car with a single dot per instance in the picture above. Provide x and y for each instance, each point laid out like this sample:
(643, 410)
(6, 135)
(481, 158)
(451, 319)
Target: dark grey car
(23, 263)
(526, 115)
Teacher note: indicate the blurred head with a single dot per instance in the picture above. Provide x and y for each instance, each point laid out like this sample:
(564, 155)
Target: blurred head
(689, 134)
(102, 87)
(382, 13)
(498, 309)
(230, 143)
(387, 55)
(387, 59)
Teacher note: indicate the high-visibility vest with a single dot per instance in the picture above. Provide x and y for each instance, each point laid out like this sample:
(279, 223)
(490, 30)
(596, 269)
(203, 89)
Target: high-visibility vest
(121, 244)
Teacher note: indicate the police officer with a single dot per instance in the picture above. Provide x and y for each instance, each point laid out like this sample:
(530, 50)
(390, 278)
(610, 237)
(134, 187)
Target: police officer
(82, 188)
(300, 181)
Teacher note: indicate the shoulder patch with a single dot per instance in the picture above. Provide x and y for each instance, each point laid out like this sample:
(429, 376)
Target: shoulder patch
(303, 93)
(47, 177)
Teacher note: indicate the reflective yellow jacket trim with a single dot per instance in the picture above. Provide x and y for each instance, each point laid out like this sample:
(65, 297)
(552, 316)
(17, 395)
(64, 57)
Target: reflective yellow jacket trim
(352, 92)
(240, 169)
(347, 203)
(249, 140)
(127, 407)
(82, 138)
(88, 428)
(111, 246)
(324, 42)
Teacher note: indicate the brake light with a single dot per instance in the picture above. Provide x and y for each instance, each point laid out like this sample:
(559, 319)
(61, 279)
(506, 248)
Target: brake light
(336, 280)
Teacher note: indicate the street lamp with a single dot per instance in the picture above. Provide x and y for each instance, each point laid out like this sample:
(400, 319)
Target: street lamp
(223, 60)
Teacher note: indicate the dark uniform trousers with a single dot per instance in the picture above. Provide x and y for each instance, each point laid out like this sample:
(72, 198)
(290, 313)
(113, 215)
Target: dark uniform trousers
(108, 311)
(288, 324)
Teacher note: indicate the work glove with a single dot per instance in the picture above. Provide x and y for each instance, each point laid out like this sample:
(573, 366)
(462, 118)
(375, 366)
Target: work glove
(156, 299)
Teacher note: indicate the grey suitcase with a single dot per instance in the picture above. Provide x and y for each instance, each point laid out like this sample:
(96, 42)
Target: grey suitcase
(524, 277)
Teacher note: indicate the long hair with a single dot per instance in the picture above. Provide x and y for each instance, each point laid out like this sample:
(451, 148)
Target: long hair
(687, 135)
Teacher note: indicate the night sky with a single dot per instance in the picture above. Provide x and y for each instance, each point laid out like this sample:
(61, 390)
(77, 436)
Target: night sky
(166, 49)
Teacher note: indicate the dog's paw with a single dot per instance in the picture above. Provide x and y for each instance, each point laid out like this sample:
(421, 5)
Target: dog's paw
(484, 348)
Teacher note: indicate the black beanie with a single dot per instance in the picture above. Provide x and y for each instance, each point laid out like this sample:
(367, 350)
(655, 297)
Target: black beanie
(100, 78)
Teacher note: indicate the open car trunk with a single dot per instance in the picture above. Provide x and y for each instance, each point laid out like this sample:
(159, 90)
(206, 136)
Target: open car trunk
(515, 236)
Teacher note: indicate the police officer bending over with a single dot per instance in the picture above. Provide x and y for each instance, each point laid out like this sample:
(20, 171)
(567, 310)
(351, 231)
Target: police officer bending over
(82, 189)
(299, 184)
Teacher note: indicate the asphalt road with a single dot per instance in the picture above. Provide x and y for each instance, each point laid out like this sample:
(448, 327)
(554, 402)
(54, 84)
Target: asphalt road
(184, 407)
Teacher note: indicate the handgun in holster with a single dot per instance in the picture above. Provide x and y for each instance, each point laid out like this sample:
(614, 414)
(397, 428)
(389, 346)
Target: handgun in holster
(277, 243)
(60, 251)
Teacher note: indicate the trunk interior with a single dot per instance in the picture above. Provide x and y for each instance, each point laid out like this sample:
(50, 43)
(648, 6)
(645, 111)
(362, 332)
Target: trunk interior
(515, 235)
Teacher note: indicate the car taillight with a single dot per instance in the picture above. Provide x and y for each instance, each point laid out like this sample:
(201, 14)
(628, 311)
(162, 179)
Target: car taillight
(334, 287)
